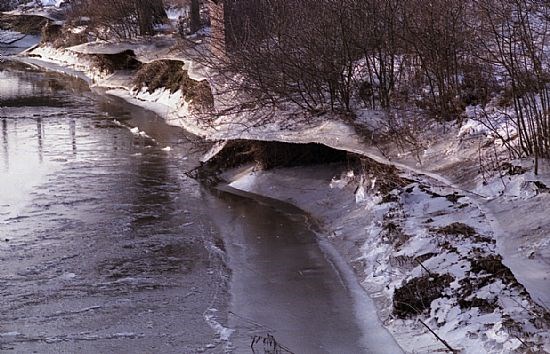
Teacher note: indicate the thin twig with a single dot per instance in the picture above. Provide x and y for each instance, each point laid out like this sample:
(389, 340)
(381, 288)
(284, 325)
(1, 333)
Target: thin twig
(423, 267)
(439, 338)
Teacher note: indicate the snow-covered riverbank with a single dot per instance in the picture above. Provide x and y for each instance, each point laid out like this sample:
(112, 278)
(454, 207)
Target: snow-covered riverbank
(406, 237)
(414, 234)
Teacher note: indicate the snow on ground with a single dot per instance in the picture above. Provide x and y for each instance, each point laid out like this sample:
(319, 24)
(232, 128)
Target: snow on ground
(160, 47)
(518, 210)
(56, 3)
(67, 59)
(50, 9)
(432, 238)
(146, 50)
(175, 13)
(492, 121)
(515, 200)
(224, 333)
(176, 111)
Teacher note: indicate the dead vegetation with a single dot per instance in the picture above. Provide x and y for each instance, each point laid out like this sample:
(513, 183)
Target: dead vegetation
(513, 169)
(457, 228)
(541, 187)
(453, 197)
(163, 73)
(491, 266)
(465, 231)
(484, 268)
(171, 75)
(267, 345)
(409, 262)
(200, 94)
(387, 176)
(56, 36)
(394, 235)
(416, 295)
(26, 24)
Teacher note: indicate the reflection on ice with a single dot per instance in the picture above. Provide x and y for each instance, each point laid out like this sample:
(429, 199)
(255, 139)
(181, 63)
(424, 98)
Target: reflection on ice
(99, 227)
(39, 133)
(72, 128)
(35, 138)
(5, 145)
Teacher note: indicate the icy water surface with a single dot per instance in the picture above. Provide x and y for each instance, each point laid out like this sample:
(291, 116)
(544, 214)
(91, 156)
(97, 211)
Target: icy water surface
(286, 286)
(104, 243)
(106, 246)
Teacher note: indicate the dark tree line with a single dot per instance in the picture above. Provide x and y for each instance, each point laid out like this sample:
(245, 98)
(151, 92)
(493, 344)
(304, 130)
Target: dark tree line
(435, 55)
(8, 5)
(120, 19)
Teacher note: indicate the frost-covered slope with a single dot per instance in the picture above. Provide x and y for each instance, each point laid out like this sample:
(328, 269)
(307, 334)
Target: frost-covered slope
(426, 254)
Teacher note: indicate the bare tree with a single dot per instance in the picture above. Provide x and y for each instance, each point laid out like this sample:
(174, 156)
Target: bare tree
(121, 18)
(407, 58)
(513, 36)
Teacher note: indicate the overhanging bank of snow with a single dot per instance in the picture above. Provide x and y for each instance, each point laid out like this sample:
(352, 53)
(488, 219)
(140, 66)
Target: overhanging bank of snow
(424, 252)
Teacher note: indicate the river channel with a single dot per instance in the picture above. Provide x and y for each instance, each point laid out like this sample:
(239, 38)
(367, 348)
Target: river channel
(107, 247)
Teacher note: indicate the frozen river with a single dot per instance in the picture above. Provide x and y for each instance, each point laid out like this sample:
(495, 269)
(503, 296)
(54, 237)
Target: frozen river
(107, 247)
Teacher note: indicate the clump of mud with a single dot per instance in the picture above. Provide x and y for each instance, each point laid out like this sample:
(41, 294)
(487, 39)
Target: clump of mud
(171, 75)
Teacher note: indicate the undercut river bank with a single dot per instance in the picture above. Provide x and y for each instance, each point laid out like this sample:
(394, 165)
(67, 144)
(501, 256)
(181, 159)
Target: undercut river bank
(107, 246)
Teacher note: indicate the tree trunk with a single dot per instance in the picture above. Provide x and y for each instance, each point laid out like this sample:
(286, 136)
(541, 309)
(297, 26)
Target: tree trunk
(195, 15)
(149, 13)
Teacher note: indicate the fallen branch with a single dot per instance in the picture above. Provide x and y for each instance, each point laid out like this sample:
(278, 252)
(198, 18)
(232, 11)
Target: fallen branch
(422, 265)
(271, 346)
(439, 338)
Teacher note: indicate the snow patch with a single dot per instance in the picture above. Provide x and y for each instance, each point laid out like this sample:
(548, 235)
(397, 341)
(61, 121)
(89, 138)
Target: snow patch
(224, 333)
